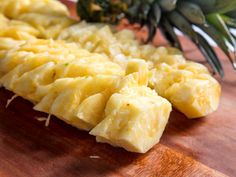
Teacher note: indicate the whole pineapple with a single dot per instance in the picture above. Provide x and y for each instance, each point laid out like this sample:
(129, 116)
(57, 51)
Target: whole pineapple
(211, 16)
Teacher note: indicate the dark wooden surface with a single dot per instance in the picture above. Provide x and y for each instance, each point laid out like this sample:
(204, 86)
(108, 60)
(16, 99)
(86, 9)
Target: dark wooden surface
(202, 147)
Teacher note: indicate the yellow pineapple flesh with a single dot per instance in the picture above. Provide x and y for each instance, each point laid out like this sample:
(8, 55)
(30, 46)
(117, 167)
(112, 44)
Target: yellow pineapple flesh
(188, 87)
(14, 8)
(122, 46)
(95, 78)
(49, 26)
(135, 119)
(34, 71)
(38, 63)
(16, 29)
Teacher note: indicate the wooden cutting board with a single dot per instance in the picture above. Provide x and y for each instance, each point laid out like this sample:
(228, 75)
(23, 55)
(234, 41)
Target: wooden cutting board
(202, 147)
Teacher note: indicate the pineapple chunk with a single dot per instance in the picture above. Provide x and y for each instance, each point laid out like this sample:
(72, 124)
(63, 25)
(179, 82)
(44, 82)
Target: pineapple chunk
(88, 66)
(11, 76)
(189, 87)
(55, 48)
(85, 99)
(48, 93)
(139, 67)
(27, 84)
(74, 59)
(32, 65)
(49, 26)
(135, 119)
(16, 29)
(91, 109)
(5, 45)
(95, 38)
(197, 101)
(14, 8)
(9, 43)
(65, 110)
(49, 7)
(83, 34)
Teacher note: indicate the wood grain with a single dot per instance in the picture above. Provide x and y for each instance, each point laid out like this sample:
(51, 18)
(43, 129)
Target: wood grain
(202, 147)
(28, 148)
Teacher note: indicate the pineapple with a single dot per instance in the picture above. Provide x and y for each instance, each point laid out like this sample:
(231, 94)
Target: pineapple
(13, 8)
(128, 48)
(49, 17)
(188, 87)
(86, 99)
(17, 30)
(135, 119)
(9, 43)
(41, 62)
(121, 47)
(106, 77)
(213, 17)
(49, 72)
(48, 25)
(98, 39)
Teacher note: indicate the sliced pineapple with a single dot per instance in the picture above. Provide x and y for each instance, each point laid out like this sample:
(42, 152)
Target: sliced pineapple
(53, 47)
(16, 29)
(40, 63)
(140, 67)
(91, 109)
(67, 54)
(26, 84)
(135, 119)
(95, 38)
(189, 87)
(49, 26)
(88, 66)
(167, 65)
(49, 17)
(105, 91)
(9, 43)
(83, 34)
(85, 97)
(14, 8)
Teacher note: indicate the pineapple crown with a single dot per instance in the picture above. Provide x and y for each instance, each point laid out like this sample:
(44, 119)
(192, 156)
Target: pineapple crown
(213, 17)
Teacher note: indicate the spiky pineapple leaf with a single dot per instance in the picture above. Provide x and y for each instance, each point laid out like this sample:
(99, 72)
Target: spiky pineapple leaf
(182, 24)
(192, 12)
(210, 55)
(215, 6)
(229, 21)
(168, 31)
(168, 5)
(217, 21)
(154, 17)
(220, 41)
